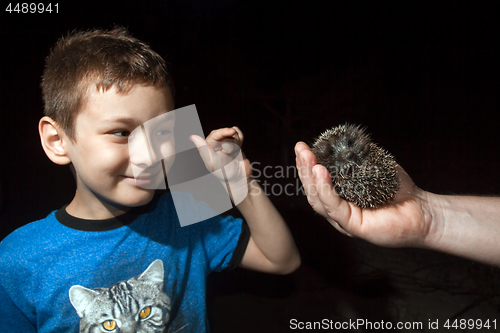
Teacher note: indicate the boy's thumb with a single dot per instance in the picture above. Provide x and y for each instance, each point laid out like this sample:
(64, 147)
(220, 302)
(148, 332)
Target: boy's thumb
(204, 150)
(197, 140)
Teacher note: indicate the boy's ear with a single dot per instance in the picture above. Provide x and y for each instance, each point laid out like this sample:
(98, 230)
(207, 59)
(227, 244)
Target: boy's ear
(53, 141)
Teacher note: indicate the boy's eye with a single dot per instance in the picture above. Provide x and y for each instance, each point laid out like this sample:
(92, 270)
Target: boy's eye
(163, 132)
(122, 133)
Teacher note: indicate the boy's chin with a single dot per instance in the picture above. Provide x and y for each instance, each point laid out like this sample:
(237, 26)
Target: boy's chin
(139, 199)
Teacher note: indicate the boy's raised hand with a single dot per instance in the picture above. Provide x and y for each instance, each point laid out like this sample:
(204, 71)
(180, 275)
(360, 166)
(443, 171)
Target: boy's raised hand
(271, 247)
(221, 147)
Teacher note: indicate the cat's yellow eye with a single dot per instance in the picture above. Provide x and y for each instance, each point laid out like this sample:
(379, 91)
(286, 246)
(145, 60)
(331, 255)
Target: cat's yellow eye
(145, 312)
(109, 325)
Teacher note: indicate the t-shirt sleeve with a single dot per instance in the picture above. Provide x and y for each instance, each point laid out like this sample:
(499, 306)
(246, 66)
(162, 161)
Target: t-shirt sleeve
(16, 310)
(225, 240)
(240, 247)
(11, 317)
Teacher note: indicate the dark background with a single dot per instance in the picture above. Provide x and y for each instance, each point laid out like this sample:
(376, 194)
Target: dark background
(422, 76)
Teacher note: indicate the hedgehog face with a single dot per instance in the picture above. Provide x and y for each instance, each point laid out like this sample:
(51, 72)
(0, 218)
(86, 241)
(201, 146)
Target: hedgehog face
(361, 171)
(341, 145)
(349, 148)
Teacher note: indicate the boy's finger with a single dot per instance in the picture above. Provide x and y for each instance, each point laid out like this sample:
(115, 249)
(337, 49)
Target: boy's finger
(228, 147)
(197, 140)
(238, 135)
(221, 134)
(204, 149)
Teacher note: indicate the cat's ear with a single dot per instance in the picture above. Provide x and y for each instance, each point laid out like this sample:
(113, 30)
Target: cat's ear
(154, 272)
(81, 298)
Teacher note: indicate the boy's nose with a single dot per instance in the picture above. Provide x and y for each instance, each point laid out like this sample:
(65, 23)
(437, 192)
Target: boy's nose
(142, 152)
(149, 156)
(143, 157)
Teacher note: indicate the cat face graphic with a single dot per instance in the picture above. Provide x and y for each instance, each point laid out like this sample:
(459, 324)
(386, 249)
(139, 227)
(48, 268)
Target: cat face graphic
(137, 305)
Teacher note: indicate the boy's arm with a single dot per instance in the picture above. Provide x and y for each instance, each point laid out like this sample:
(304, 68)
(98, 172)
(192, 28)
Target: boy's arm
(460, 225)
(271, 247)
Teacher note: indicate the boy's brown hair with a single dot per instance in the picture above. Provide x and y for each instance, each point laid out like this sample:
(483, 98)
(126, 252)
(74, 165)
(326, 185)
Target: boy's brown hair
(99, 58)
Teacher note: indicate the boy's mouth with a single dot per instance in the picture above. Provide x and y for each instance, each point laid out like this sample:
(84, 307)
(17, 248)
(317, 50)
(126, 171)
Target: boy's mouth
(142, 180)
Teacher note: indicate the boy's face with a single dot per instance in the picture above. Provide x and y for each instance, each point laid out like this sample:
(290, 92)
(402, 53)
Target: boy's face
(100, 152)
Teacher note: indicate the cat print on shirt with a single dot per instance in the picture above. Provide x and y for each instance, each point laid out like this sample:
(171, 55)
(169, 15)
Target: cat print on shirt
(137, 305)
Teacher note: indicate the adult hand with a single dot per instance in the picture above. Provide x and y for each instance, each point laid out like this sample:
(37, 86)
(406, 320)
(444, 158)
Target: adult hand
(402, 222)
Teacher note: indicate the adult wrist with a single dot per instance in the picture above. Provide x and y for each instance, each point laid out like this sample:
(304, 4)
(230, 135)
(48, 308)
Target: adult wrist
(433, 219)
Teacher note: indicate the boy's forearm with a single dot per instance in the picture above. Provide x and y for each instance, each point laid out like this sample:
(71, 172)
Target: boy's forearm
(269, 233)
(465, 226)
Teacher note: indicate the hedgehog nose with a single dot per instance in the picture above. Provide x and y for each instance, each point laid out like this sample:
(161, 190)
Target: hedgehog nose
(348, 154)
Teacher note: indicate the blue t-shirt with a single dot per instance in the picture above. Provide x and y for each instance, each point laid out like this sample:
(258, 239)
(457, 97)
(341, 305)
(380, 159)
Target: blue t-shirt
(139, 272)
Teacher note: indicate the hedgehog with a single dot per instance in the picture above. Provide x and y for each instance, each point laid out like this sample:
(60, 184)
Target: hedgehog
(361, 171)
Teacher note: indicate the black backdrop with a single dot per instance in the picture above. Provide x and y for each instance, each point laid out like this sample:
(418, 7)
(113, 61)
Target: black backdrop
(422, 76)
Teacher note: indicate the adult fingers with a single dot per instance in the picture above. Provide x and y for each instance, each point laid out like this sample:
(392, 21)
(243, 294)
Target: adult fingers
(304, 167)
(318, 187)
(338, 211)
(305, 152)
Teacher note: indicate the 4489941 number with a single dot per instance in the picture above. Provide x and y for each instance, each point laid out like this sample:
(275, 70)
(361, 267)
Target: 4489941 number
(32, 8)
(471, 324)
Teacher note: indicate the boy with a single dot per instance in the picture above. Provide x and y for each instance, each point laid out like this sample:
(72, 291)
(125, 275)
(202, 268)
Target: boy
(115, 259)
